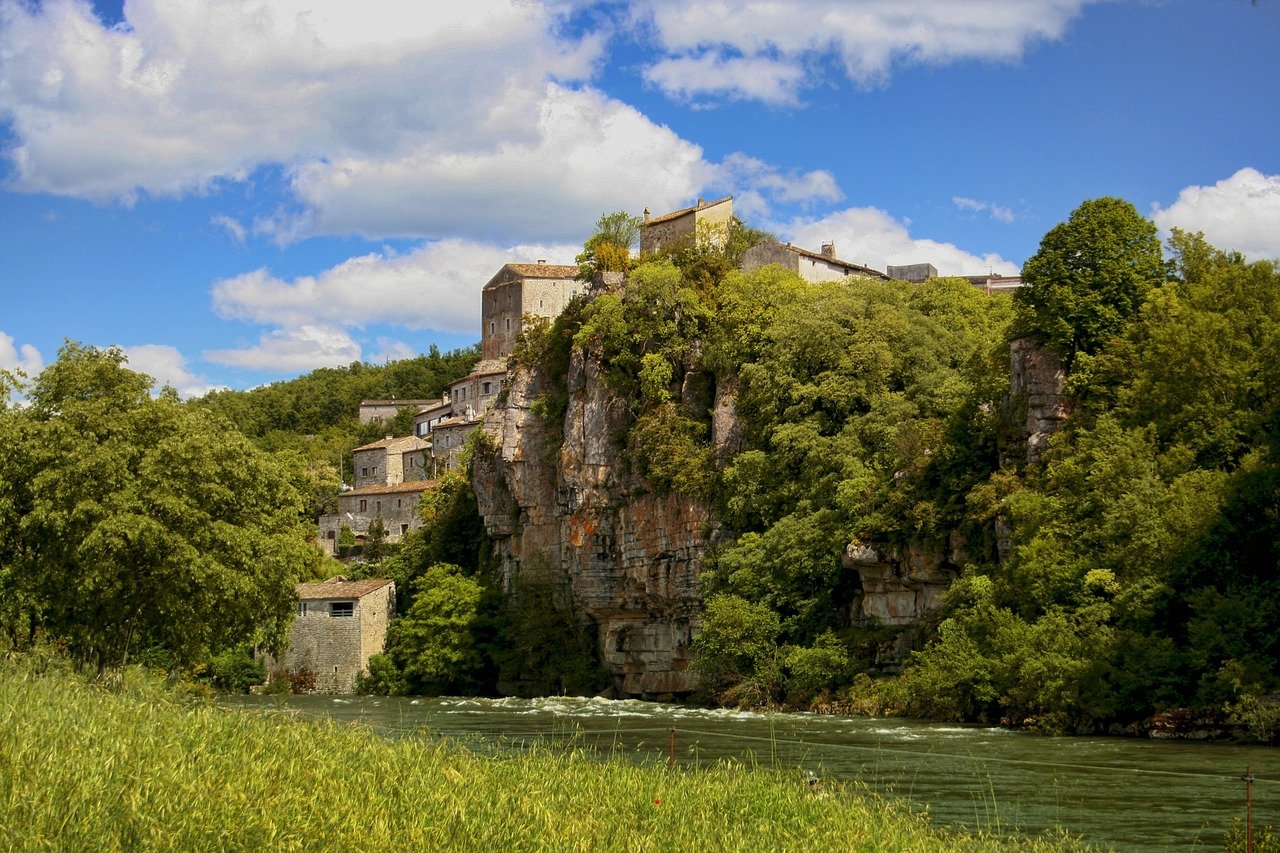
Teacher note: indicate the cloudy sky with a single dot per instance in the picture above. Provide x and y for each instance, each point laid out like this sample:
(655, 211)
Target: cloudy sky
(238, 191)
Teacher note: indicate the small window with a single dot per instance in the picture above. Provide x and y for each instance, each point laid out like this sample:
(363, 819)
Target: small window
(364, 504)
(375, 470)
(508, 324)
(398, 503)
(364, 472)
(379, 508)
(493, 327)
(487, 388)
(302, 608)
(342, 608)
(404, 528)
(331, 534)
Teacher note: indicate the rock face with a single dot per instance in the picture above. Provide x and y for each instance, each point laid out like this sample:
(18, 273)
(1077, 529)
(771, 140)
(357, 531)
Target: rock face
(574, 515)
(1037, 376)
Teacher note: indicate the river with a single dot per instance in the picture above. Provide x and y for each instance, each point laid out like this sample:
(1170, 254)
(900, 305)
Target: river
(1139, 795)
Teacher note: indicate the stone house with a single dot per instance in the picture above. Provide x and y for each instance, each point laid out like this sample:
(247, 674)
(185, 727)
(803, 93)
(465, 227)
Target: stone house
(388, 477)
(377, 411)
(520, 290)
(810, 266)
(704, 221)
(431, 414)
(340, 624)
(389, 462)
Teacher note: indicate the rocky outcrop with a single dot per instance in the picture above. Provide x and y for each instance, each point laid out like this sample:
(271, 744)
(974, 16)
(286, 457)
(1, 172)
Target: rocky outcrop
(1038, 378)
(573, 513)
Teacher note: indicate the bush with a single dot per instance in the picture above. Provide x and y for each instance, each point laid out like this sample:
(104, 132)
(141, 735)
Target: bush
(236, 671)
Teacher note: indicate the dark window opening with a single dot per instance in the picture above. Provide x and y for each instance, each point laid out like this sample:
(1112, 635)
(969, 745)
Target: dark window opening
(342, 608)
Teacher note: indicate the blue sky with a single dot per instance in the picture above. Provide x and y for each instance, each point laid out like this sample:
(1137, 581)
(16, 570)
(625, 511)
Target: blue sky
(239, 191)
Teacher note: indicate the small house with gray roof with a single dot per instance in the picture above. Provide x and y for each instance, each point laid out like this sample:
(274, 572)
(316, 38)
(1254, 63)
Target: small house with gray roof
(339, 625)
(520, 290)
(706, 221)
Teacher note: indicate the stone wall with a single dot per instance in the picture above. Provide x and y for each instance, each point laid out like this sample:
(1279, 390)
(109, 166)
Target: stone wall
(629, 558)
(1038, 379)
(337, 648)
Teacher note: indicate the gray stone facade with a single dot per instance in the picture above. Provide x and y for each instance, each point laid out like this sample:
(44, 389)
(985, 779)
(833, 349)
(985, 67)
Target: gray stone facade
(339, 625)
(377, 411)
(389, 462)
(810, 266)
(520, 290)
(704, 221)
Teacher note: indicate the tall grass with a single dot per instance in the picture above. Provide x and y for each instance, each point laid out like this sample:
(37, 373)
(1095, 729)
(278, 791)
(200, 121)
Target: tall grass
(83, 766)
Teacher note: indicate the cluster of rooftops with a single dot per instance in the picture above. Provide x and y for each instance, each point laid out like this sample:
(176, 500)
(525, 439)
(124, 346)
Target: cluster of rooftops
(389, 476)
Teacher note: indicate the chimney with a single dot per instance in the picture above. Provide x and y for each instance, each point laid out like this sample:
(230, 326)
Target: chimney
(542, 260)
(700, 201)
(829, 250)
(389, 437)
(646, 216)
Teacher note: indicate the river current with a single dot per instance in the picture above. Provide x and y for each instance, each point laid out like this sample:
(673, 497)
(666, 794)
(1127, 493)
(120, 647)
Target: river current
(1139, 795)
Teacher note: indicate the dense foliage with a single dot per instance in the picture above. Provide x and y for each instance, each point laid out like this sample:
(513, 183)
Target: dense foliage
(134, 525)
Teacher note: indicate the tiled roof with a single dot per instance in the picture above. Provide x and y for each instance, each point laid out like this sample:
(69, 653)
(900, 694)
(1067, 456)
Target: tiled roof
(410, 442)
(395, 488)
(489, 366)
(393, 402)
(339, 587)
(849, 265)
(667, 217)
(510, 272)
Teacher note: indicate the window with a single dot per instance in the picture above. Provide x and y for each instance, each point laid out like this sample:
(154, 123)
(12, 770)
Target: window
(364, 504)
(375, 470)
(492, 327)
(364, 472)
(342, 608)
(379, 509)
(398, 503)
(487, 388)
(302, 608)
(331, 535)
(404, 528)
(508, 324)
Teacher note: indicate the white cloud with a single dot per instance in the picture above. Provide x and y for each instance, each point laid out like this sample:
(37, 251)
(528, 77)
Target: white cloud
(770, 44)
(1240, 213)
(581, 153)
(871, 237)
(392, 350)
(998, 212)
(756, 78)
(436, 287)
(301, 348)
(25, 358)
(232, 226)
(390, 119)
(167, 366)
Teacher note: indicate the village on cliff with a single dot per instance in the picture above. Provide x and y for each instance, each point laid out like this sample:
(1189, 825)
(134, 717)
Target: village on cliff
(390, 476)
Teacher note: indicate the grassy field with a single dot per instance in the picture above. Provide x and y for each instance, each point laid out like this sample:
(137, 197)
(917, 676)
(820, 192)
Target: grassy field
(85, 766)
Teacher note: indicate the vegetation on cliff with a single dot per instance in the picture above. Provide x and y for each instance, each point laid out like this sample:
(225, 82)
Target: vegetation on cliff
(1130, 569)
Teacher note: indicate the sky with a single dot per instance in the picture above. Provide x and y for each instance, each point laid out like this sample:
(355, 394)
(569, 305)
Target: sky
(240, 191)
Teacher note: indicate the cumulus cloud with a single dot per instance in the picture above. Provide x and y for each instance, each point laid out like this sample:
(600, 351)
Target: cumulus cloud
(436, 286)
(167, 366)
(25, 358)
(762, 48)
(392, 350)
(1240, 213)
(301, 348)
(387, 119)
(998, 212)
(870, 236)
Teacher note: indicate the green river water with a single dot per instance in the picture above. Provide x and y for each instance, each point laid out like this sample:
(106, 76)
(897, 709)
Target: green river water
(1140, 795)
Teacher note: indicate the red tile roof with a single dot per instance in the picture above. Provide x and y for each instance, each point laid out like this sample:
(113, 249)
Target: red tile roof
(395, 488)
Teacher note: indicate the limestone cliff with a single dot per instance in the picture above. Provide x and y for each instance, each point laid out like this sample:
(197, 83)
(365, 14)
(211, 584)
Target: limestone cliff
(573, 514)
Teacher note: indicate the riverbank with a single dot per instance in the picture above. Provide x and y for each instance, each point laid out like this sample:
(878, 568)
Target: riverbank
(83, 766)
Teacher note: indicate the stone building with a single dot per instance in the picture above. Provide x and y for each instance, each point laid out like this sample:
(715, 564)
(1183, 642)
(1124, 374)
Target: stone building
(520, 290)
(704, 221)
(810, 266)
(377, 411)
(340, 624)
(431, 414)
(388, 479)
(389, 462)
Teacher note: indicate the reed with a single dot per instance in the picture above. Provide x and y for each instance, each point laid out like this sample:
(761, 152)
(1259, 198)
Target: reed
(129, 766)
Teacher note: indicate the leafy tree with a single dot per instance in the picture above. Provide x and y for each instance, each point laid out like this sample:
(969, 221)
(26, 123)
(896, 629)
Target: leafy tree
(737, 644)
(434, 644)
(147, 523)
(608, 249)
(1089, 277)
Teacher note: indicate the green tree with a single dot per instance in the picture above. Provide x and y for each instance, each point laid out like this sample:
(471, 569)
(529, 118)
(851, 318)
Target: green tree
(148, 524)
(609, 248)
(1089, 277)
(434, 644)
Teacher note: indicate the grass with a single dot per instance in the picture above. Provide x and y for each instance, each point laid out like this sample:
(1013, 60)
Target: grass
(129, 766)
